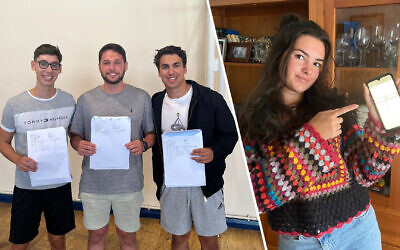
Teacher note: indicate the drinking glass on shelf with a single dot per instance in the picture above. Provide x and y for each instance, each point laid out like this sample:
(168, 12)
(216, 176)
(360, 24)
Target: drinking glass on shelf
(392, 45)
(342, 46)
(378, 41)
(361, 42)
(394, 35)
(352, 57)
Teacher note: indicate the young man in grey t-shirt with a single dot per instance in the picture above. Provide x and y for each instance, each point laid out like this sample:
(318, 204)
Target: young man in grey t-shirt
(42, 107)
(120, 189)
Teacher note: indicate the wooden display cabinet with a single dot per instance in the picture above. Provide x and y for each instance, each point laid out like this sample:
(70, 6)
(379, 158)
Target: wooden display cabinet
(349, 79)
(257, 18)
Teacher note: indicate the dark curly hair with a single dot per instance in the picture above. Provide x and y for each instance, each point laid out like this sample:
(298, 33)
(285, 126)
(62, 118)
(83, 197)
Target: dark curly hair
(47, 49)
(264, 118)
(170, 50)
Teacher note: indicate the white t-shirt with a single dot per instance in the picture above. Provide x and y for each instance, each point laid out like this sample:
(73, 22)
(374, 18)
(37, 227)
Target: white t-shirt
(175, 112)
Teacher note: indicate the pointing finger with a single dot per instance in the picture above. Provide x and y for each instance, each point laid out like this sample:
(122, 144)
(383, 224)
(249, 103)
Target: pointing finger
(345, 109)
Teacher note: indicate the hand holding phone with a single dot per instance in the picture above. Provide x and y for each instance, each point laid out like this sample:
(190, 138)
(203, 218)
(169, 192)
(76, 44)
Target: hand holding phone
(386, 99)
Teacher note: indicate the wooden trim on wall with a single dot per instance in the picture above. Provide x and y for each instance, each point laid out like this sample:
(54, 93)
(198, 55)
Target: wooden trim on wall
(361, 3)
(394, 202)
(217, 3)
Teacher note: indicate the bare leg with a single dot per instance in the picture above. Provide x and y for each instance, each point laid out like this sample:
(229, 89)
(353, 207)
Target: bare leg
(97, 238)
(128, 240)
(57, 242)
(19, 246)
(180, 242)
(209, 242)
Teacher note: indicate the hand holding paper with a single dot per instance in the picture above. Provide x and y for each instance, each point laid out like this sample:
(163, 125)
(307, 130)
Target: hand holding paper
(86, 148)
(27, 164)
(203, 155)
(136, 147)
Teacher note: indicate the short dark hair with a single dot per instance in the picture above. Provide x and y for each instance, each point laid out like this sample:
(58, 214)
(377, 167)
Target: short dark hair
(47, 49)
(114, 47)
(169, 50)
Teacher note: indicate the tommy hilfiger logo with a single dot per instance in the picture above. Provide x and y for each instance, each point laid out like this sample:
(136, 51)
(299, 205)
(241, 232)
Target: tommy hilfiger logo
(44, 120)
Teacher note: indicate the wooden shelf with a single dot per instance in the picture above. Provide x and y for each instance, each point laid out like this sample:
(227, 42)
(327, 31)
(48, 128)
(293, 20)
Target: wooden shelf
(256, 20)
(235, 64)
(379, 199)
(224, 3)
(358, 76)
(252, 18)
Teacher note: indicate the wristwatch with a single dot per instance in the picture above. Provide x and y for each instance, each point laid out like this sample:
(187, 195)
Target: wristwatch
(145, 145)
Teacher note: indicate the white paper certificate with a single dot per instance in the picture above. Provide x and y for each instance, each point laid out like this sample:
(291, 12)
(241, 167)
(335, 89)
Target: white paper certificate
(180, 170)
(110, 134)
(48, 147)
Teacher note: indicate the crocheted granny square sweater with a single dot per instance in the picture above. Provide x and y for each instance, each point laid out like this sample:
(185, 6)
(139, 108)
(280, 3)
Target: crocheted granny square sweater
(309, 185)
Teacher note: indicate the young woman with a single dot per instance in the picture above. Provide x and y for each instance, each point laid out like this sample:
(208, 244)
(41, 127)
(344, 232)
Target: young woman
(309, 161)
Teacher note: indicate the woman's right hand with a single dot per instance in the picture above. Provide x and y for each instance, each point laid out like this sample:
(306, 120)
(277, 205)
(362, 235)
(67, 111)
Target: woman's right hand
(328, 123)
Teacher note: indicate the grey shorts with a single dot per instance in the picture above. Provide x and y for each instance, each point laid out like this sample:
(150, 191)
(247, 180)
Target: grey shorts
(182, 206)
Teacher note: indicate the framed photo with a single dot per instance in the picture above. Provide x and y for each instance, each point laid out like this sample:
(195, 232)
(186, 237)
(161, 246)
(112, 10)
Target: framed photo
(239, 52)
(222, 46)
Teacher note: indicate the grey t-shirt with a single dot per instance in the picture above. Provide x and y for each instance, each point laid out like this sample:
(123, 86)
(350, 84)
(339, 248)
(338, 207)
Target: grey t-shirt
(25, 112)
(132, 102)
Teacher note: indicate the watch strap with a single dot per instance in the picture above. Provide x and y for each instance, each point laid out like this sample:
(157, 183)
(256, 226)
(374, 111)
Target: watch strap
(145, 145)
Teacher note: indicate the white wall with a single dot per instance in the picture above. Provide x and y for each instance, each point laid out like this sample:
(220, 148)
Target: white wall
(80, 28)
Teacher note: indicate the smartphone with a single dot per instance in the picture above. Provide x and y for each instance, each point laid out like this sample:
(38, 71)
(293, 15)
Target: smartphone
(386, 97)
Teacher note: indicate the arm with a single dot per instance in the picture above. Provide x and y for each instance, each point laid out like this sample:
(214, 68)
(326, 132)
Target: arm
(84, 148)
(224, 134)
(371, 151)
(137, 147)
(23, 162)
(284, 170)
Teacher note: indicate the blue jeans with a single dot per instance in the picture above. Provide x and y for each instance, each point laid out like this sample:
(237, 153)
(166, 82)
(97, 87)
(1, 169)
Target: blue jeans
(362, 233)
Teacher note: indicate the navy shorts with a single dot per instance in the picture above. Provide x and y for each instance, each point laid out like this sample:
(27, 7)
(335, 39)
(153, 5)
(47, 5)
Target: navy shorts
(27, 208)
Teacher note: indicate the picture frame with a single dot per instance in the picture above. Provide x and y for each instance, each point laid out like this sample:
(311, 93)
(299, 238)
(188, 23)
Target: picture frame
(239, 52)
(258, 53)
(222, 47)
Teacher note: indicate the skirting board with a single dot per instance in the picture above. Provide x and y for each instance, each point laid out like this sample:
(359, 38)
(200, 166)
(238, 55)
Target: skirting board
(155, 214)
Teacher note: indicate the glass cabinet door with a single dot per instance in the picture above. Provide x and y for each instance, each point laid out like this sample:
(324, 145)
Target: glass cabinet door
(366, 45)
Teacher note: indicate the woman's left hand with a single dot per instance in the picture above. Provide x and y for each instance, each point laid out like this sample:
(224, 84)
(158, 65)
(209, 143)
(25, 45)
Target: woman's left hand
(370, 104)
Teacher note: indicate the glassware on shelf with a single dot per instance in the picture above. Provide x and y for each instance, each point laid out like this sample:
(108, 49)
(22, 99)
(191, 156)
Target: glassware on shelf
(392, 45)
(352, 58)
(342, 46)
(378, 42)
(361, 42)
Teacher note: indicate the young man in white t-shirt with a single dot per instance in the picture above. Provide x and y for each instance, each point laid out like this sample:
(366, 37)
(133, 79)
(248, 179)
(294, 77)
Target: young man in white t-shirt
(184, 105)
(42, 107)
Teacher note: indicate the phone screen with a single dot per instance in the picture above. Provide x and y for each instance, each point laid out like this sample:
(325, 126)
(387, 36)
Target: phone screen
(387, 100)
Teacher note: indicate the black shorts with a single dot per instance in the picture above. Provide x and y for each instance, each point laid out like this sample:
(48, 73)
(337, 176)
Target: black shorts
(27, 208)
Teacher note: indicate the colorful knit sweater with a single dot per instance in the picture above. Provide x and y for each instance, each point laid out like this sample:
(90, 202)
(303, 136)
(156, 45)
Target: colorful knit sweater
(309, 185)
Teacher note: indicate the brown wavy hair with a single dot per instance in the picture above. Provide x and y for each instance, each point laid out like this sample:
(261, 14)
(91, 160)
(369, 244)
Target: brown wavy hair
(264, 118)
